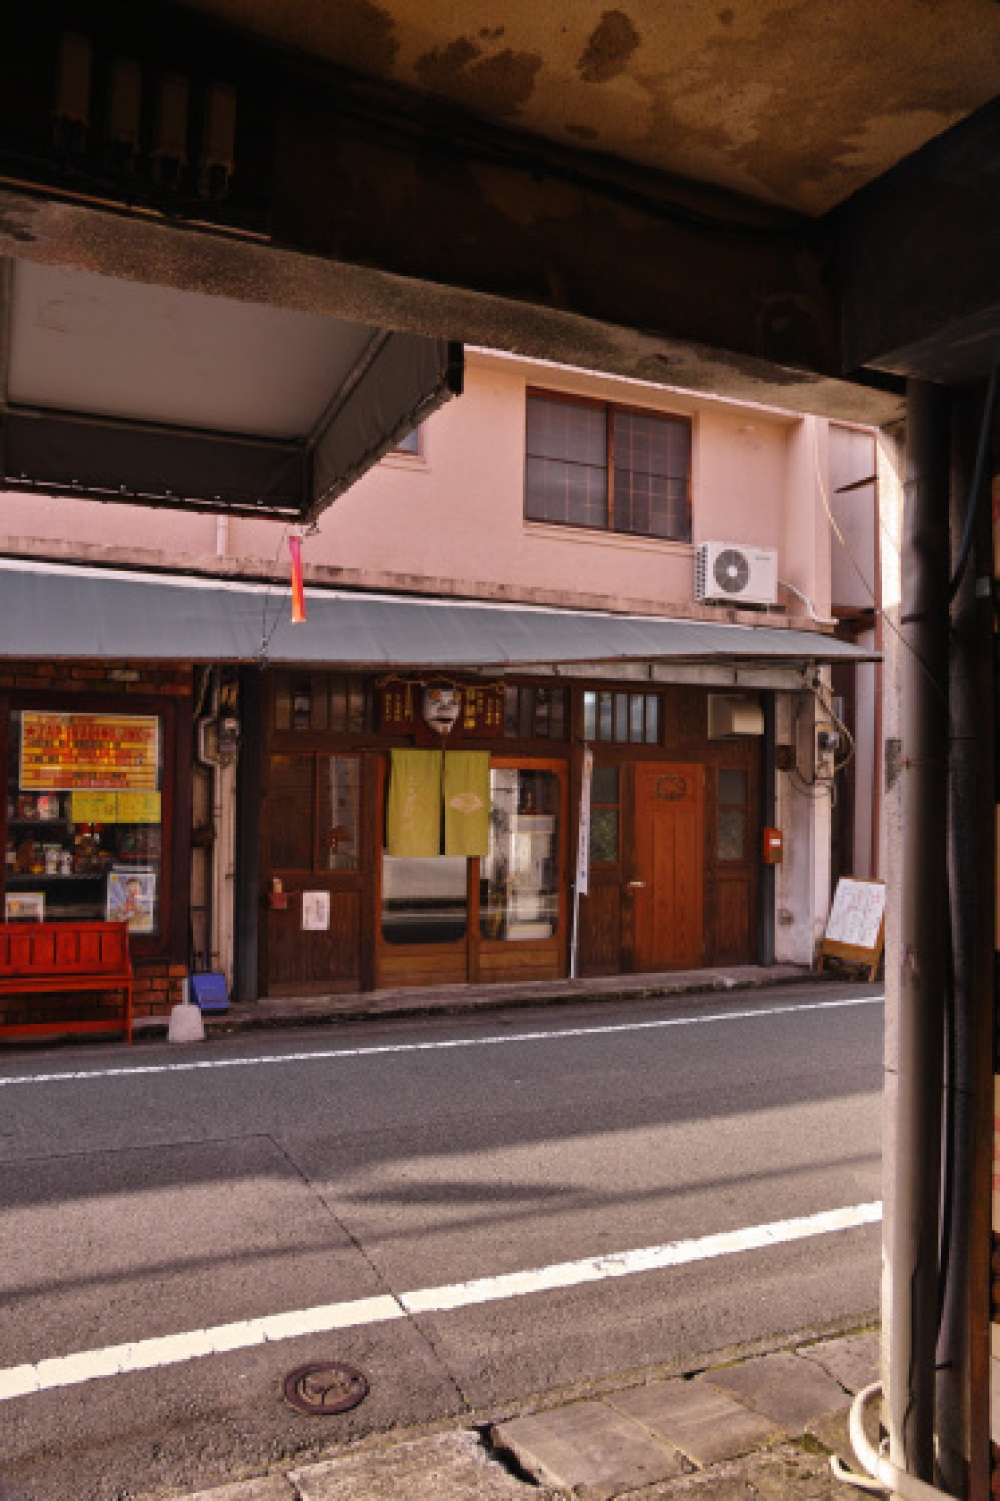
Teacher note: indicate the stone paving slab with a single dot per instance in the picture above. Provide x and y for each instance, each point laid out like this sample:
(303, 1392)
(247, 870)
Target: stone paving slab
(783, 1474)
(268, 1488)
(853, 1359)
(792, 1392)
(701, 1422)
(589, 1449)
(447, 1467)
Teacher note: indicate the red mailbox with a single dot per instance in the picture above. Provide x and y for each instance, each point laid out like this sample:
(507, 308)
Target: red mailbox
(772, 846)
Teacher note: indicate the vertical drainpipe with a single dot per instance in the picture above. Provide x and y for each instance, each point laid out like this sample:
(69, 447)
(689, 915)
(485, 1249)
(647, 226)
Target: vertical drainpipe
(768, 819)
(915, 994)
(246, 895)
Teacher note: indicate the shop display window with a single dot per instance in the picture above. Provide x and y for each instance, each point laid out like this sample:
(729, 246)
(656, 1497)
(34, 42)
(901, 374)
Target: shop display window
(519, 890)
(84, 819)
(424, 900)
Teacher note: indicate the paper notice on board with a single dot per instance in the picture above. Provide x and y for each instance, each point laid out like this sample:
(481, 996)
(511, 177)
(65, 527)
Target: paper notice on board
(315, 911)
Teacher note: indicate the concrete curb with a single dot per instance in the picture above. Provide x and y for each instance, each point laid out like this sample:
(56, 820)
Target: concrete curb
(459, 1000)
(765, 1425)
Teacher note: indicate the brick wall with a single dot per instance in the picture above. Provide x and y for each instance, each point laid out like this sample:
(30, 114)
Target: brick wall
(158, 985)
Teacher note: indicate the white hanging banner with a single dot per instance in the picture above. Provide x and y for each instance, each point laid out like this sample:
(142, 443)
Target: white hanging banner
(583, 838)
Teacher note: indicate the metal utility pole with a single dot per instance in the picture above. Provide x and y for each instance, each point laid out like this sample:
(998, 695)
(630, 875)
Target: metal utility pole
(916, 991)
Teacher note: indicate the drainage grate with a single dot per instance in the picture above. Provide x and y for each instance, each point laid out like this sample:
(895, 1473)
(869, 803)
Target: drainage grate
(324, 1388)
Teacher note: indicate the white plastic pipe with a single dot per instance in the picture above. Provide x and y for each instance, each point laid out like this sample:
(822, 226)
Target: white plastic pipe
(880, 1472)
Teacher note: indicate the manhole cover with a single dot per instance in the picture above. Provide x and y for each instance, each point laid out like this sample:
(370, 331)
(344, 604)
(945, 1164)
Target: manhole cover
(324, 1388)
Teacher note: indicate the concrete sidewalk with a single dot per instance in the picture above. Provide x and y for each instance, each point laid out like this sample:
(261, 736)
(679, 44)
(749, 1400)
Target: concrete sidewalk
(316, 1010)
(753, 1430)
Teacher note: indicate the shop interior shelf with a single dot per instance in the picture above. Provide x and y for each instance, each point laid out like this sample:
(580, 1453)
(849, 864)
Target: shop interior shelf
(19, 878)
(37, 823)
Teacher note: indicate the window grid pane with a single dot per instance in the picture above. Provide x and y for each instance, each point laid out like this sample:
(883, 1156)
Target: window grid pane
(338, 787)
(652, 463)
(605, 728)
(589, 715)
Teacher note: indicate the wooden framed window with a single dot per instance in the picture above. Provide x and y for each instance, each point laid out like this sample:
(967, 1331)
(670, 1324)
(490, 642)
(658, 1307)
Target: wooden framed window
(595, 465)
(732, 815)
(313, 811)
(605, 816)
(411, 444)
(330, 702)
(534, 713)
(621, 718)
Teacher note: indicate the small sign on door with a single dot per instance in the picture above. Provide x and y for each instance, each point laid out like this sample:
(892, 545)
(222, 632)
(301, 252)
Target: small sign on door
(315, 911)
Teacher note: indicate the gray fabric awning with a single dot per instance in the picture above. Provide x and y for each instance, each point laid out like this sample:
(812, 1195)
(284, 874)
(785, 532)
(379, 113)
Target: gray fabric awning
(53, 611)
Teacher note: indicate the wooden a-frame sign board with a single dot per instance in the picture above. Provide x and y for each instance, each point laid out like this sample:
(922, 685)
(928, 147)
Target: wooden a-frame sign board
(855, 929)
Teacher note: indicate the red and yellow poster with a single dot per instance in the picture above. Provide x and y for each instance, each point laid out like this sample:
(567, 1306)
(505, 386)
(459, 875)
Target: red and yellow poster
(63, 752)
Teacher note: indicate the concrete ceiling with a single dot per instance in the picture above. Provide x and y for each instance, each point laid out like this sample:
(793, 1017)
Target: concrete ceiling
(792, 102)
(793, 201)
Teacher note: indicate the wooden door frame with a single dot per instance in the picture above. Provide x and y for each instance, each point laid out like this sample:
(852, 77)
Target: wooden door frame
(475, 946)
(296, 880)
(665, 768)
(537, 949)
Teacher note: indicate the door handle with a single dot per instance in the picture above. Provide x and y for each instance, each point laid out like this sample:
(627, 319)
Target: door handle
(634, 884)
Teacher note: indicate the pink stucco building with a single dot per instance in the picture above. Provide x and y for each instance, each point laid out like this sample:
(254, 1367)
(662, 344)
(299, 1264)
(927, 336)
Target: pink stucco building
(529, 557)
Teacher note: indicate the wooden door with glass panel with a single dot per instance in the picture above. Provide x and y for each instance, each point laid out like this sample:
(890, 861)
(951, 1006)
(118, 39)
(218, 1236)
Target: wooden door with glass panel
(312, 823)
(666, 889)
(522, 928)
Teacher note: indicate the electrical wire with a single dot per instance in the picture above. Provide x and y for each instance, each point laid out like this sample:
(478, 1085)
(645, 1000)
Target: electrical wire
(266, 633)
(866, 585)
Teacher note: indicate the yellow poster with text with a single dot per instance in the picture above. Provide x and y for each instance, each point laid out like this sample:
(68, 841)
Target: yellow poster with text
(138, 807)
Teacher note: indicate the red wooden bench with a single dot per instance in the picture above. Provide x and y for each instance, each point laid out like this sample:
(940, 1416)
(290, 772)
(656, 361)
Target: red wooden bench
(60, 957)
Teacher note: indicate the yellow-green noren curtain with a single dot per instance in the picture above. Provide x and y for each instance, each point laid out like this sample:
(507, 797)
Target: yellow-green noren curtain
(413, 813)
(467, 803)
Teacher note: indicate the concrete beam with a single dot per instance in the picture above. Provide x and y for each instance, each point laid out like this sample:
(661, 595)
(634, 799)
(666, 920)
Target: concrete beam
(919, 251)
(365, 199)
(141, 246)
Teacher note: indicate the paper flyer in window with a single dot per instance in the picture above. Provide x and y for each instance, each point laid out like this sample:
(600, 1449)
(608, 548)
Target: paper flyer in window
(131, 898)
(24, 906)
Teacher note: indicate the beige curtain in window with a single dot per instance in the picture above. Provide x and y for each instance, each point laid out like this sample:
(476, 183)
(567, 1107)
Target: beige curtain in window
(467, 803)
(413, 811)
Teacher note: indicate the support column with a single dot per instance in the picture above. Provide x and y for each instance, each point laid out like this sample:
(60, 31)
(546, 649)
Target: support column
(768, 817)
(963, 1357)
(915, 990)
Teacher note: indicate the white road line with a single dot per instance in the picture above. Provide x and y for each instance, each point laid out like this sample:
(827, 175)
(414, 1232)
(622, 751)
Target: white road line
(174, 1349)
(496, 1040)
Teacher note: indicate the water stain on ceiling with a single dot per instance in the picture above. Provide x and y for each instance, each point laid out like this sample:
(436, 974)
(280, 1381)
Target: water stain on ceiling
(497, 83)
(793, 102)
(609, 47)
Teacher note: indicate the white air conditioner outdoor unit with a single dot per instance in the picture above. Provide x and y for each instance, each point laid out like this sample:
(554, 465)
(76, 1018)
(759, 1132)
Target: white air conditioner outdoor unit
(732, 573)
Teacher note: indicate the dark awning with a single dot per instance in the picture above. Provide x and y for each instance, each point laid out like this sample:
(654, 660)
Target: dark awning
(113, 390)
(53, 611)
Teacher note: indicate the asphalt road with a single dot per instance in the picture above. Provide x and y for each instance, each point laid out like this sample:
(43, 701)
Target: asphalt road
(397, 1163)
